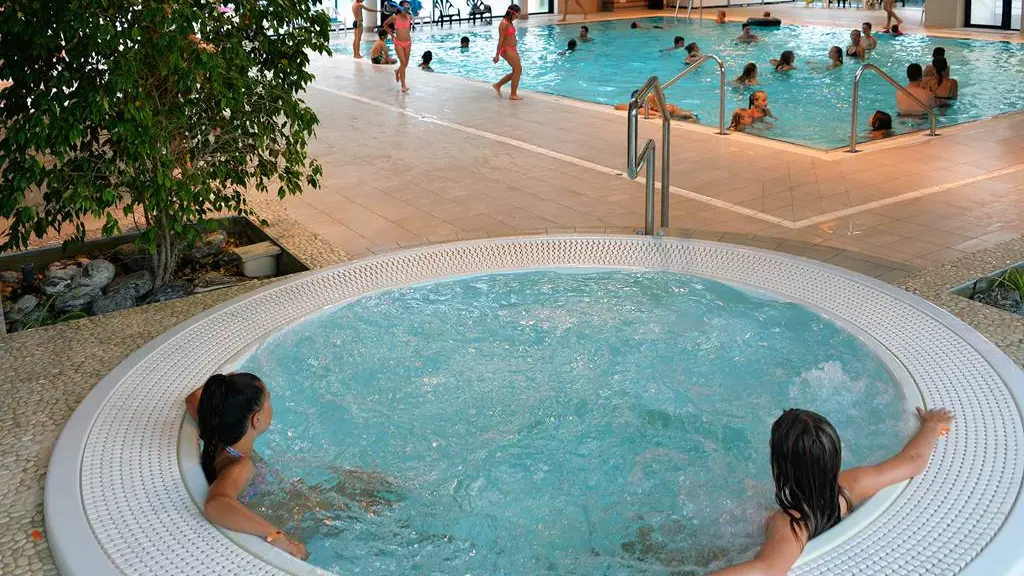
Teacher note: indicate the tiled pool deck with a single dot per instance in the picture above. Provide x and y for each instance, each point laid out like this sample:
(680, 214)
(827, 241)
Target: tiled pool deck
(450, 161)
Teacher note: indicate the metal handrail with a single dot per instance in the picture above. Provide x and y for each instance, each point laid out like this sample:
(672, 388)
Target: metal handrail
(895, 84)
(689, 9)
(721, 85)
(646, 158)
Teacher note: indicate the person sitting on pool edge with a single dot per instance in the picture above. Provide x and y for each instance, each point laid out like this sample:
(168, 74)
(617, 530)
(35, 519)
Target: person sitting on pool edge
(379, 51)
(232, 410)
(814, 493)
(881, 125)
(674, 112)
(464, 43)
(747, 35)
(585, 34)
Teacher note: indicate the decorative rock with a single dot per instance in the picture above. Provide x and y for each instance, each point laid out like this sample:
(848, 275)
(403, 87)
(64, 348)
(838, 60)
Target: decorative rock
(171, 291)
(131, 259)
(136, 284)
(68, 269)
(25, 305)
(215, 280)
(56, 286)
(120, 300)
(9, 280)
(1002, 297)
(75, 300)
(96, 275)
(210, 245)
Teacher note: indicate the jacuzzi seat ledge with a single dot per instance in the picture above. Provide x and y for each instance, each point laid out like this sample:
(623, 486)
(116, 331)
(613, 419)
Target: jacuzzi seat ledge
(91, 530)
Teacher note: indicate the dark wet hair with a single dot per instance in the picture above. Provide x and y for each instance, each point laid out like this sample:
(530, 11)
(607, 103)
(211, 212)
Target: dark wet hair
(512, 8)
(785, 59)
(766, 14)
(585, 29)
(894, 28)
(881, 121)
(749, 70)
(806, 459)
(838, 51)
(868, 24)
(382, 33)
(572, 44)
(428, 56)
(939, 51)
(941, 69)
(634, 25)
(464, 40)
(914, 72)
(691, 47)
(678, 40)
(226, 406)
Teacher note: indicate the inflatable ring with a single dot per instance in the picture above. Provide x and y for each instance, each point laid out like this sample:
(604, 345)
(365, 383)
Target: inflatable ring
(764, 22)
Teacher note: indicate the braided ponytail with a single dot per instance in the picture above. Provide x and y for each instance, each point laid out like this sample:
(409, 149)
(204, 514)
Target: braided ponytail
(226, 406)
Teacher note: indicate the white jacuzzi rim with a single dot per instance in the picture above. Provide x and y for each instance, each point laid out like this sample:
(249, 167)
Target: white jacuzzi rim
(73, 540)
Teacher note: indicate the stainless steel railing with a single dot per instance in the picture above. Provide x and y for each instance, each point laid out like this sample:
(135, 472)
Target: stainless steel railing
(896, 85)
(721, 85)
(646, 157)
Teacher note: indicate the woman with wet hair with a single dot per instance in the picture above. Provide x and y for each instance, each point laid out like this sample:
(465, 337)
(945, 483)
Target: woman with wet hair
(812, 491)
(232, 410)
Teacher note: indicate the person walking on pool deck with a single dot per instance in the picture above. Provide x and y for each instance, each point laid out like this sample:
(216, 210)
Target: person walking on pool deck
(565, 9)
(402, 37)
(357, 26)
(812, 491)
(507, 43)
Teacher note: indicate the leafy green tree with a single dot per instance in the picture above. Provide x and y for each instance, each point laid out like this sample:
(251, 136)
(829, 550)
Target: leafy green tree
(168, 111)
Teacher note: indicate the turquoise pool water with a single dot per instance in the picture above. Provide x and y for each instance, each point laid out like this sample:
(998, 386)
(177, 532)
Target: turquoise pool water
(555, 422)
(812, 102)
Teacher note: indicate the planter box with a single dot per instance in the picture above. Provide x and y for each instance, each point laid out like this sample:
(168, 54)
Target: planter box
(256, 255)
(990, 291)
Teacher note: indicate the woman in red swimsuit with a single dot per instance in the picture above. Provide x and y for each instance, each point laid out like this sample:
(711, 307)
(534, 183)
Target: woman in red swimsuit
(507, 49)
(402, 36)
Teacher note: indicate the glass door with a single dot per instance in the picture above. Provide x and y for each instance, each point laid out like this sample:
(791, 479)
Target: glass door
(1000, 14)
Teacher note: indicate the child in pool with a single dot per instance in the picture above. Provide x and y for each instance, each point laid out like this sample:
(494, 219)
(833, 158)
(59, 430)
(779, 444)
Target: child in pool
(758, 105)
(806, 456)
(674, 112)
(232, 410)
(749, 75)
(881, 125)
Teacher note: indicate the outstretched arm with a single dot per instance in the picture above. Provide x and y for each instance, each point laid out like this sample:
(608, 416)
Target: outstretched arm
(223, 508)
(864, 482)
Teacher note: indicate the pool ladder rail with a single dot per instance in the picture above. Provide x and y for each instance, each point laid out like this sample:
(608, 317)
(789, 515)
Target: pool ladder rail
(646, 156)
(896, 85)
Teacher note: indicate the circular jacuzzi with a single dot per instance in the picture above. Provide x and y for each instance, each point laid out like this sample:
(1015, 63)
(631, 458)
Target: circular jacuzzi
(559, 404)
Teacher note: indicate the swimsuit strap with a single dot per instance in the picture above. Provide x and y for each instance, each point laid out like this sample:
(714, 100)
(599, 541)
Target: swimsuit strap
(233, 452)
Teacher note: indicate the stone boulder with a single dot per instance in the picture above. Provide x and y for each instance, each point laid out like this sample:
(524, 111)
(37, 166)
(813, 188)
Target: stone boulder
(119, 300)
(1002, 297)
(67, 269)
(171, 291)
(9, 281)
(22, 308)
(210, 245)
(96, 275)
(130, 258)
(136, 284)
(75, 300)
(56, 286)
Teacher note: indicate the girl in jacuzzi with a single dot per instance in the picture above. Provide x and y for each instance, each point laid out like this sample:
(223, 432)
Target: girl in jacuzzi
(232, 410)
(812, 492)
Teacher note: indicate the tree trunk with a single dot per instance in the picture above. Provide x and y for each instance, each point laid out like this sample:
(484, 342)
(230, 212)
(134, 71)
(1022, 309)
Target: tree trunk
(3, 322)
(168, 253)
